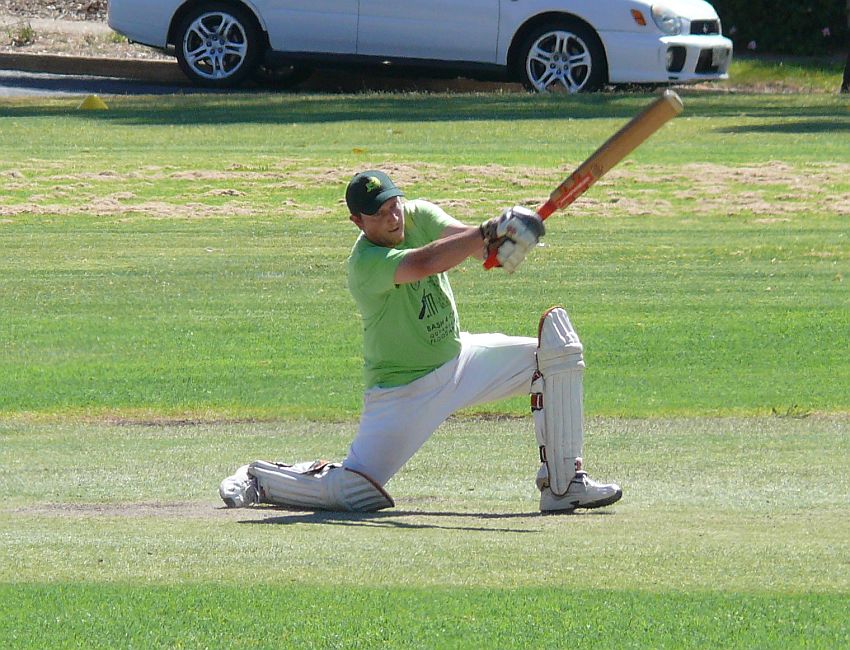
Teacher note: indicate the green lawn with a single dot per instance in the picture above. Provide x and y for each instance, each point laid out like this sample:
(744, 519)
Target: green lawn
(786, 73)
(173, 304)
(296, 617)
(732, 532)
(182, 256)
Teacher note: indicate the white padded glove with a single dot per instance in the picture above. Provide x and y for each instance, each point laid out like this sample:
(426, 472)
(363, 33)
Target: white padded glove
(515, 232)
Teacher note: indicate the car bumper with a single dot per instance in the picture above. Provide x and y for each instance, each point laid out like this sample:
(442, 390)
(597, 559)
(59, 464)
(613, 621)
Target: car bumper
(633, 58)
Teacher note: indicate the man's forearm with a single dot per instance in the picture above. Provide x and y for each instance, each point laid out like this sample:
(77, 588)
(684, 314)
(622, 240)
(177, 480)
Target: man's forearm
(440, 255)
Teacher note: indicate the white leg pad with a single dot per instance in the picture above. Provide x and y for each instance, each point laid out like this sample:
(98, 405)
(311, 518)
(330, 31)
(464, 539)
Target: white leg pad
(557, 401)
(319, 486)
(239, 490)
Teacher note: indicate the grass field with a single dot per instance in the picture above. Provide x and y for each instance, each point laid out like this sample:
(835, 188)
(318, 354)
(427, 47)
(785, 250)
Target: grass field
(173, 304)
(786, 74)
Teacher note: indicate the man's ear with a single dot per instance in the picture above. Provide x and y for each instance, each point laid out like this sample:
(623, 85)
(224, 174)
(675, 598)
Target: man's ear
(357, 220)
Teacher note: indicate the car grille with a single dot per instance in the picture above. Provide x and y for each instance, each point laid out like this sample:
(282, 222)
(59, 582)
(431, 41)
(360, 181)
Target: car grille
(705, 64)
(705, 27)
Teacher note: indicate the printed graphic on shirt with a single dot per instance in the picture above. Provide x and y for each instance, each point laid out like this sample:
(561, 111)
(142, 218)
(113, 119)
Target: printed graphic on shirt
(435, 304)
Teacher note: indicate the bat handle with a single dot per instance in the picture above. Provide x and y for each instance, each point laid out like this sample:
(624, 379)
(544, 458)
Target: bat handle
(543, 212)
(491, 261)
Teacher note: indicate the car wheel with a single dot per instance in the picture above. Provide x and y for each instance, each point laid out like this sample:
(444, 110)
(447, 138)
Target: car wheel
(564, 56)
(219, 45)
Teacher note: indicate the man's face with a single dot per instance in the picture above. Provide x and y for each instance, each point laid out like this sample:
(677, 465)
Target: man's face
(386, 226)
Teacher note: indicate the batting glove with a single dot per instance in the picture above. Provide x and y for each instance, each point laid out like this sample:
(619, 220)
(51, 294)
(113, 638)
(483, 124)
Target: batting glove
(515, 232)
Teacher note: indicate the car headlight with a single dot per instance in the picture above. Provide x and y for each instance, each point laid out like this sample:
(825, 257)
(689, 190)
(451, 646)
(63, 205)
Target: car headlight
(668, 21)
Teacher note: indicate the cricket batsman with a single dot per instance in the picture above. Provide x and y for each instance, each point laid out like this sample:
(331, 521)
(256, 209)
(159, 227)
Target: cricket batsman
(420, 367)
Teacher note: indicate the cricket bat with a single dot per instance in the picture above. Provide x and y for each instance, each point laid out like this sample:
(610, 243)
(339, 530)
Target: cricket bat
(617, 147)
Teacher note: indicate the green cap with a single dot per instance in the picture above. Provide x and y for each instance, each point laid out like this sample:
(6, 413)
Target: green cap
(368, 191)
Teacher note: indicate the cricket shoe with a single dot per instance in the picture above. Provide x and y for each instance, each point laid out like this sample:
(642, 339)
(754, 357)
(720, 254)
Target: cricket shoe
(239, 490)
(582, 492)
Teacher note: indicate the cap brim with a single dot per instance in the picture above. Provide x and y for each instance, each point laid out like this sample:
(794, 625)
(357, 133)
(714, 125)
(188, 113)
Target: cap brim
(381, 198)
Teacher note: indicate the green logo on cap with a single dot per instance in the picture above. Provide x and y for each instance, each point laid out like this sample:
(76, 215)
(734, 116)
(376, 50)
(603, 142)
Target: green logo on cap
(372, 183)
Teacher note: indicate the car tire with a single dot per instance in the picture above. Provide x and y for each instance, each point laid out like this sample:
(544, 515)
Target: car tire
(218, 45)
(562, 56)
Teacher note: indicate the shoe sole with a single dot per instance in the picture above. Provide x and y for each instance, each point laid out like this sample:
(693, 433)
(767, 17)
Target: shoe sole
(604, 502)
(593, 504)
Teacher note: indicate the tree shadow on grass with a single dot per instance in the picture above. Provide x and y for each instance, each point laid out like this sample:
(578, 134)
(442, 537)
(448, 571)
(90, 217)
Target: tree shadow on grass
(397, 519)
(791, 127)
(246, 108)
(259, 107)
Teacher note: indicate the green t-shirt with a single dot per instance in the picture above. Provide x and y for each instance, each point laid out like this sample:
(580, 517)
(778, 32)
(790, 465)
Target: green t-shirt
(408, 329)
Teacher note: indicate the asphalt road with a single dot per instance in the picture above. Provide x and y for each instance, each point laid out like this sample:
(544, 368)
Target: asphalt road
(37, 84)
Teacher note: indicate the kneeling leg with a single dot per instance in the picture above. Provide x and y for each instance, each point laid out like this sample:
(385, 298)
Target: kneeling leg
(319, 486)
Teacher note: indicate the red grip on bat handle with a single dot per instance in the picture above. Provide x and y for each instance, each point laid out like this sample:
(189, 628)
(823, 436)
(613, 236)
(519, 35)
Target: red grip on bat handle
(491, 261)
(544, 211)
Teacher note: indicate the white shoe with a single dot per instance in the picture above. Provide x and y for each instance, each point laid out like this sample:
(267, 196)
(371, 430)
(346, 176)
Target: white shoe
(583, 492)
(239, 490)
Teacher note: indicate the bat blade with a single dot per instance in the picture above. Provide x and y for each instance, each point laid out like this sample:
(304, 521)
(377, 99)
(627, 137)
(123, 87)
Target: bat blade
(600, 162)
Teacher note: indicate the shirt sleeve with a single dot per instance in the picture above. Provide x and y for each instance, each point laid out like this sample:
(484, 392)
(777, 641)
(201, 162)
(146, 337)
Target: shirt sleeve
(433, 218)
(374, 271)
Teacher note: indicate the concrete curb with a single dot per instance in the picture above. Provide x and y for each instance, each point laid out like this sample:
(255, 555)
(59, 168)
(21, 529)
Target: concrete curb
(166, 72)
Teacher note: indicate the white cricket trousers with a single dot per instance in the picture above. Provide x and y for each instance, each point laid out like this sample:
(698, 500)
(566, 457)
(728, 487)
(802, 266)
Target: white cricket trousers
(397, 421)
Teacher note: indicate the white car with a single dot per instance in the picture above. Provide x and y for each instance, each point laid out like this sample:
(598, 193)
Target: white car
(548, 45)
